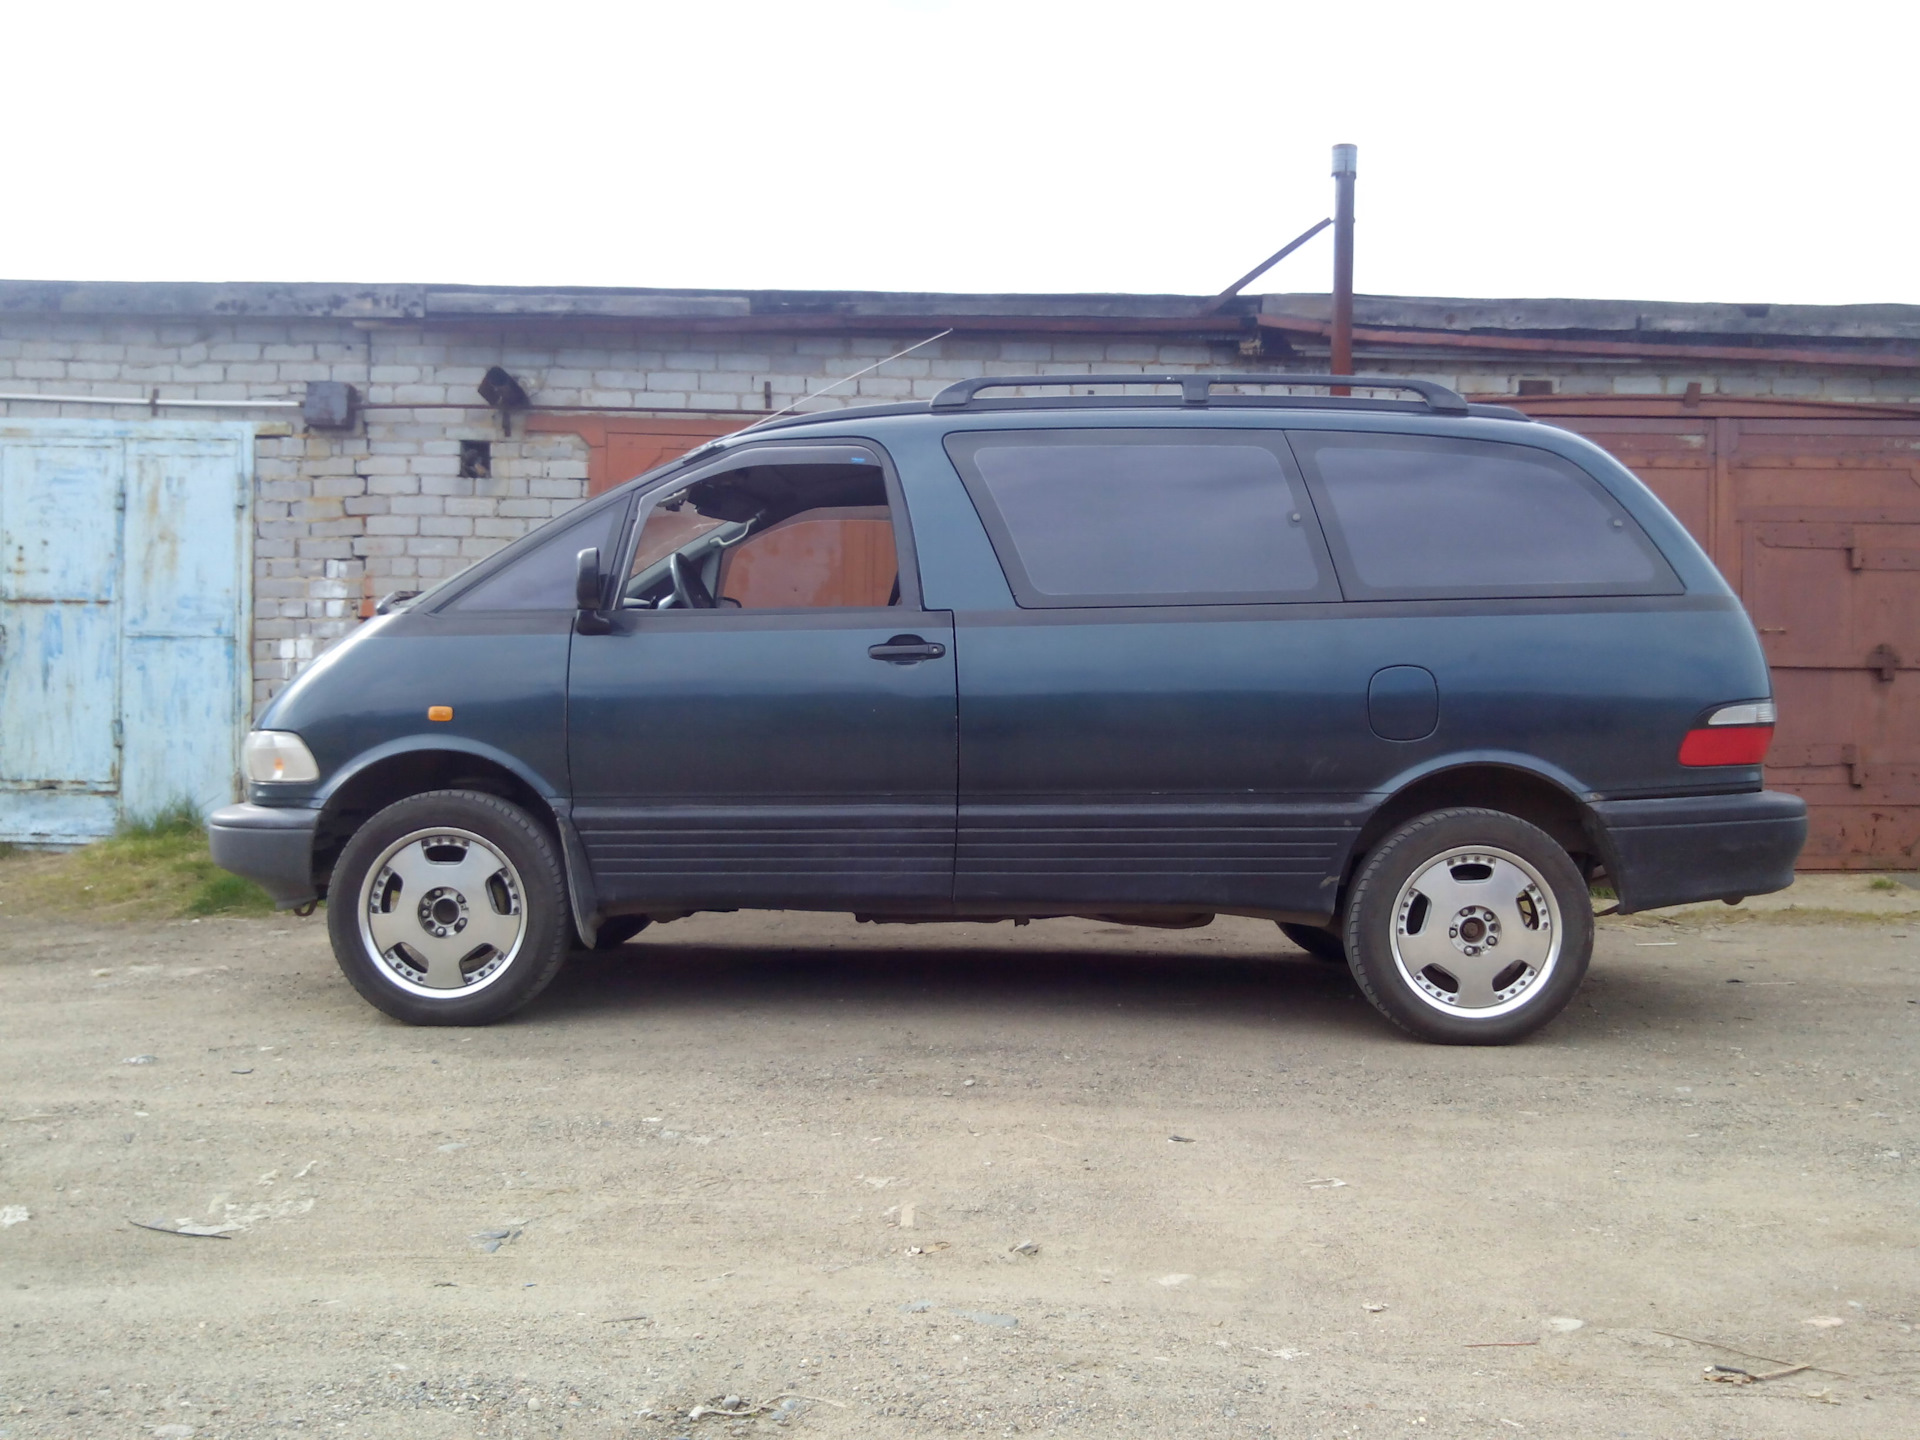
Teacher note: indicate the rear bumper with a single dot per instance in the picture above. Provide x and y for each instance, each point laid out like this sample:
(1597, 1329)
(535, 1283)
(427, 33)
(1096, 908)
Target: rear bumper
(1700, 847)
(271, 846)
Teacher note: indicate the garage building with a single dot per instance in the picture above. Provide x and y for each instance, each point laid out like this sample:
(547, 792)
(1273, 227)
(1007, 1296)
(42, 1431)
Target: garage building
(201, 485)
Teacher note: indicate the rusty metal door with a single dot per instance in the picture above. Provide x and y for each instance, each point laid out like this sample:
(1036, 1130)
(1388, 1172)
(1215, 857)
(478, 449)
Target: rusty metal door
(1829, 566)
(184, 615)
(1835, 604)
(125, 563)
(59, 634)
(1813, 516)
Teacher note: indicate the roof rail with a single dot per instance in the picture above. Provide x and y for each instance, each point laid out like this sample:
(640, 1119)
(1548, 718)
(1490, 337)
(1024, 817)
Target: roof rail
(1196, 389)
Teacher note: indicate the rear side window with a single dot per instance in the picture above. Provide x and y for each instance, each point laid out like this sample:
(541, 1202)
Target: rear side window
(1416, 517)
(1145, 517)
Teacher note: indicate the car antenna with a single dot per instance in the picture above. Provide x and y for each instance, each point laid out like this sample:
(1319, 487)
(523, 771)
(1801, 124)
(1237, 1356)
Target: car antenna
(768, 419)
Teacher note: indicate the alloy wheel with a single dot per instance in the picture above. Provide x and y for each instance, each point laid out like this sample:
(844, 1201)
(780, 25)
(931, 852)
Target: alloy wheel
(1475, 931)
(442, 911)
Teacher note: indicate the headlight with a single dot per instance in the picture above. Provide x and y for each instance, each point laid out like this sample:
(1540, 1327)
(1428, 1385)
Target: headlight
(278, 757)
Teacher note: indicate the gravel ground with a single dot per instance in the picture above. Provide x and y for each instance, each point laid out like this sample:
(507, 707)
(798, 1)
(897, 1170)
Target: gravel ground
(1064, 1179)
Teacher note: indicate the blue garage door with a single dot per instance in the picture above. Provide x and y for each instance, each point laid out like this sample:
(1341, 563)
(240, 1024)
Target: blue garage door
(124, 591)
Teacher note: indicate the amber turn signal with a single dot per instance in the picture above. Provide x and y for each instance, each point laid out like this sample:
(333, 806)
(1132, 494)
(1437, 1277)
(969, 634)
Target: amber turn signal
(440, 712)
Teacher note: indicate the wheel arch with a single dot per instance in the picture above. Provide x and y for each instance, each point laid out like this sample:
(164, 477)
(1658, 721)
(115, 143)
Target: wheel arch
(414, 766)
(1527, 792)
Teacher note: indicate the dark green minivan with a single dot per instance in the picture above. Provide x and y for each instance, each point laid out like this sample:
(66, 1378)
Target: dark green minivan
(1407, 677)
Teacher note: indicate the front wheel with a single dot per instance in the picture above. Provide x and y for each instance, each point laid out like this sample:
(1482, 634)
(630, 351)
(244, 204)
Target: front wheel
(614, 933)
(1469, 927)
(449, 908)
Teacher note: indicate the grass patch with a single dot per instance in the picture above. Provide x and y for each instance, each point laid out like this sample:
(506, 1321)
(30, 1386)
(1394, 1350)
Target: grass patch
(1883, 882)
(157, 862)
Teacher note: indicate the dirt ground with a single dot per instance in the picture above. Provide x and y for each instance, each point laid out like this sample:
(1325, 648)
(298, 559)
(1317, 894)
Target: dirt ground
(1065, 1179)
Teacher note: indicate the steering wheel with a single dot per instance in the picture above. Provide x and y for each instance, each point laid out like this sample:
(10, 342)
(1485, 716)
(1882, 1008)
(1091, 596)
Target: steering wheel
(689, 590)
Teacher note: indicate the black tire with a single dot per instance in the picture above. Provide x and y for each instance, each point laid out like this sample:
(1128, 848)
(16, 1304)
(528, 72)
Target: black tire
(521, 901)
(1388, 915)
(1320, 944)
(614, 933)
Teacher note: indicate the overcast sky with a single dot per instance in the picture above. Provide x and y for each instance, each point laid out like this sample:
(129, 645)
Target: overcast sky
(1762, 151)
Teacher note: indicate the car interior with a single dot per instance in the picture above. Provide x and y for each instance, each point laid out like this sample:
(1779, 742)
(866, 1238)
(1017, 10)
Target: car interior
(773, 537)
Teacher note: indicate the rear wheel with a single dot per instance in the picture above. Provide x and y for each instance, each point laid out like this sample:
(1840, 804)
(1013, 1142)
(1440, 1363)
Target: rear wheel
(1321, 944)
(1469, 927)
(449, 908)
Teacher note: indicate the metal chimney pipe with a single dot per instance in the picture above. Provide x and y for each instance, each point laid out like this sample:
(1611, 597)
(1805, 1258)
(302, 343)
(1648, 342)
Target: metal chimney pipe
(1346, 162)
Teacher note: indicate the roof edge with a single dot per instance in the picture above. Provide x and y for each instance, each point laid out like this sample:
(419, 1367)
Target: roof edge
(1650, 323)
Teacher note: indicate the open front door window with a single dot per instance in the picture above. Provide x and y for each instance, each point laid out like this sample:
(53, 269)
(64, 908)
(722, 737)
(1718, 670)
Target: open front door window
(819, 534)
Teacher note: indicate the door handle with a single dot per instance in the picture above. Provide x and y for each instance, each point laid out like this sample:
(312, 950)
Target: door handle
(907, 650)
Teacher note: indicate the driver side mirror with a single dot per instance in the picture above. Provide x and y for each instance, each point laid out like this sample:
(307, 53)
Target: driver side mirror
(588, 589)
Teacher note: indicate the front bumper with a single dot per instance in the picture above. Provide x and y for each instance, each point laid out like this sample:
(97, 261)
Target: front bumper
(270, 845)
(1690, 848)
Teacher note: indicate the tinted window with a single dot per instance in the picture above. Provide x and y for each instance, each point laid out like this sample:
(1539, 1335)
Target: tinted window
(542, 577)
(1144, 517)
(1410, 517)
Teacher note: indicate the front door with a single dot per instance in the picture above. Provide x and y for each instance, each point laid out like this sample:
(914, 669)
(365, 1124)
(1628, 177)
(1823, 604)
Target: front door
(770, 719)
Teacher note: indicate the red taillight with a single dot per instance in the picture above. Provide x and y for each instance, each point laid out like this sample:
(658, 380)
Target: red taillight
(1726, 745)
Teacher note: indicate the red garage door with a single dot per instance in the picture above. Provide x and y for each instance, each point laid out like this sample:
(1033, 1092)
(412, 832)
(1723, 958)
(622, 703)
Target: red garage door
(1813, 514)
(620, 447)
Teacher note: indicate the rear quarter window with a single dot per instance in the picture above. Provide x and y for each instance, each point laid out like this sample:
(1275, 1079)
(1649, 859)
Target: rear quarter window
(1417, 517)
(1145, 517)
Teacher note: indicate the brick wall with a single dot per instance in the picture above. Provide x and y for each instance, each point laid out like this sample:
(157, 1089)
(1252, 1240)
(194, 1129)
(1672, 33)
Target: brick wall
(386, 507)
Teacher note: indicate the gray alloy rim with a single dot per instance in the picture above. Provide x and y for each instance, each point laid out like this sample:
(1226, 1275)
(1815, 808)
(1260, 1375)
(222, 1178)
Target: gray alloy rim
(442, 913)
(1476, 932)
